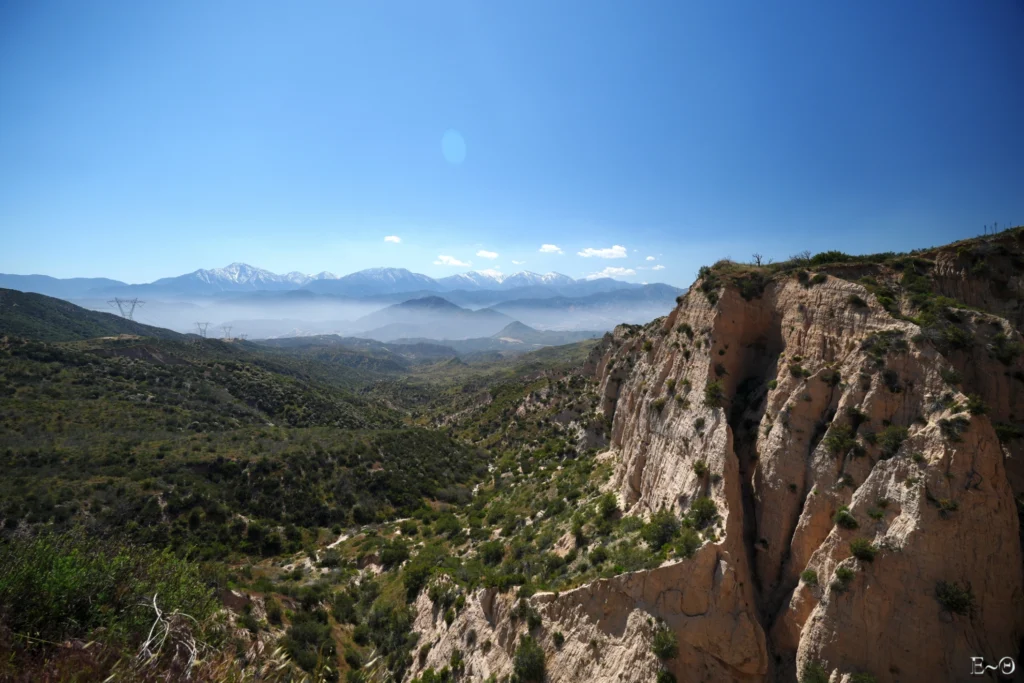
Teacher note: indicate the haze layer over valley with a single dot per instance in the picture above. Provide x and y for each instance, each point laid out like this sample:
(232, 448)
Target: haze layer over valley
(384, 304)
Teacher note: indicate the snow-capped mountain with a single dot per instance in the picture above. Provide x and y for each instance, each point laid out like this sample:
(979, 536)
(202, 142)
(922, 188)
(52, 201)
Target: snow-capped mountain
(471, 281)
(376, 281)
(528, 279)
(492, 279)
(239, 278)
(235, 277)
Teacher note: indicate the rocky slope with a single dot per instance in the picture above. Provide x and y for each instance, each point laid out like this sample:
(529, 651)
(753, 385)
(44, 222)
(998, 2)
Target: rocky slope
(859, 436)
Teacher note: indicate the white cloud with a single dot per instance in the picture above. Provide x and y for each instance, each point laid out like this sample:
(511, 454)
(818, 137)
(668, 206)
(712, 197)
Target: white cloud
(483, 253)
(491, 272)
(612, 271)
(518, 263)
(650, 258)
(658, 267)
(443, 260)
(393, 238)
(616, 251)
(549, 249)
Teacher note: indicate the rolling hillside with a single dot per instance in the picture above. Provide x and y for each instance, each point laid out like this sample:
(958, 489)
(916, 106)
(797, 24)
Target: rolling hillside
(36, 316)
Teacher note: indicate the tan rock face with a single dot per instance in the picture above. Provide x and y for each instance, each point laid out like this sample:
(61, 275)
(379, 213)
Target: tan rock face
(827, 404)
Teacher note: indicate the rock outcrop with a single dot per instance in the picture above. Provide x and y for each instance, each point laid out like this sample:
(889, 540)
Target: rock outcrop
(868, 520)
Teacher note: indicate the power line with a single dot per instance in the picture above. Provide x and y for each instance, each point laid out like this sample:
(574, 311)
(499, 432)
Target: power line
(201, 327)
(126, 306)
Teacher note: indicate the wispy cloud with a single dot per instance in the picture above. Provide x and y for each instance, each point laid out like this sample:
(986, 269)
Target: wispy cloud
(443, 260)
(658, 267)
(395, 239)
(612, 271)
(650, 258)
(483, 253)
(491, 272)
(550, 249)
(518, 263)
(616, 251)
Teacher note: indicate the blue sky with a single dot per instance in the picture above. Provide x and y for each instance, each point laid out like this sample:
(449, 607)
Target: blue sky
(143, 139)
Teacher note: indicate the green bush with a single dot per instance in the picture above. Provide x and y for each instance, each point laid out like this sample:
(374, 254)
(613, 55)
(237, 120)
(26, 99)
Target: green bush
(71, 585)
(689, 543)
(856, 301)
(976, 406)
(665, 676)
(714, 394)
(1006, 431)
(814, 673)
(845, 519)
(557, 638)
(862, 678)
(809, 576)
(954, 597)
(308, 640)
(863, 549)
(394, 554)
(607, 506)
(842, 578)
(528, 661)
(703, 511)
(1005, 350)
(660, 529)
(951, 376)
(953, 427)
(890, 439)
(839, 439)
(491, 552)
(664, 643)
(598, 555)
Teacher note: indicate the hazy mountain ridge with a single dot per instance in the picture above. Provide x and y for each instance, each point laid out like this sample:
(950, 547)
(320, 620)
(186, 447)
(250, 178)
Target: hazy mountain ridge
(430, 318)
(242, 277)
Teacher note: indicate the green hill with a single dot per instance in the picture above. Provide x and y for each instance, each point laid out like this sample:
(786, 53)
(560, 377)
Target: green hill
(35, 316)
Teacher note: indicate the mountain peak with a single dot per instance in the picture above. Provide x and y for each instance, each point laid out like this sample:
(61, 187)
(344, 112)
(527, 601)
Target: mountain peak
(434, 302)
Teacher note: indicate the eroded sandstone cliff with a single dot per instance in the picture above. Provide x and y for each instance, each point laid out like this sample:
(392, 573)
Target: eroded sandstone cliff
(862, 459)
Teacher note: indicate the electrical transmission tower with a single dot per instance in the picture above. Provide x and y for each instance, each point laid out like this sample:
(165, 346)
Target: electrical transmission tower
(243, 337)
(227, 331)
(201, 328)
(126, 306)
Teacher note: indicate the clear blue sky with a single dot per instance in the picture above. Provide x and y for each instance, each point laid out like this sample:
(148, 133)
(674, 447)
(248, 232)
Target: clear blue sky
(147, 139)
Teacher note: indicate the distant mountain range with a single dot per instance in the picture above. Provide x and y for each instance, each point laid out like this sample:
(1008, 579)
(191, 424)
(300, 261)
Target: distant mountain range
(379, 303)
(242, 278)
(36, 316)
